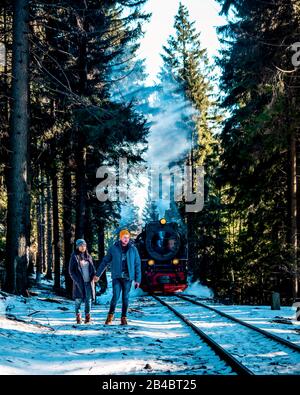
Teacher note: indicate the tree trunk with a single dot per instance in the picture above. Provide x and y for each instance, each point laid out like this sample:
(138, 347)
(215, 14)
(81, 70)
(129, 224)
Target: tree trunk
(18, 214)
(40, 230)
(43, 223)
(4, 100)
(56, 241)
(33, 246)
(100, 242)
(81, 149)
(80, 190)
(101, 252)
(69, 227)
(39, 258)
(49, 232)
(89, 231)
(293, 203)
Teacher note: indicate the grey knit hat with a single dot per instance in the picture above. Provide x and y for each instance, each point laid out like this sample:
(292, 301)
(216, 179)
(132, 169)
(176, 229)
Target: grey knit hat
(80, 242)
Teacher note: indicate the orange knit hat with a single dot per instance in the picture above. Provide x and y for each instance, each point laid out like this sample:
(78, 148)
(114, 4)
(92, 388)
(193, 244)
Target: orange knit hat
(124, 232)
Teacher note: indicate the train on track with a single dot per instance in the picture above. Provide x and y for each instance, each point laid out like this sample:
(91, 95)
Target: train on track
(164, 255)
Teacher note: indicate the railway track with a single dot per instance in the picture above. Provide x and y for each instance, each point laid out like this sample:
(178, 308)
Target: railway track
(259, 336)
(235, 365)
(267, 334)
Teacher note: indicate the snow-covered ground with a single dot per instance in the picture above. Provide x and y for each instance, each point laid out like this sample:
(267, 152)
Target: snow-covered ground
(280, 322)
(258, 353)
(48, 342)
(45, 340)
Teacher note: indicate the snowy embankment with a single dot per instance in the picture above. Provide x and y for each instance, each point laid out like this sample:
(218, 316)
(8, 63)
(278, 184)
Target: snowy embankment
(281, 322)
(39, 337)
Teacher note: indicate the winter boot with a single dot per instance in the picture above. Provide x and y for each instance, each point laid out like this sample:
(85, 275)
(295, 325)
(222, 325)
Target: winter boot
(87, 319)
(109, 319)
(78, 318)
(124, 321)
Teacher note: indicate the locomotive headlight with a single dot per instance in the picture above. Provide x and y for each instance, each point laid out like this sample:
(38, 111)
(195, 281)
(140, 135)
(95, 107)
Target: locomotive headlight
(163, 221)
(175, 261)
(151, 262)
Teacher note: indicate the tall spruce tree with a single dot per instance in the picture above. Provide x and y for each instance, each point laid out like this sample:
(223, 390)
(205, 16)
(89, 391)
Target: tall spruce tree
(186, 85)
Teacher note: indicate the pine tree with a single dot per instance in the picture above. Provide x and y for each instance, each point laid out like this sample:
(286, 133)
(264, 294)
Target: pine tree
(187, 70)
(186, 86)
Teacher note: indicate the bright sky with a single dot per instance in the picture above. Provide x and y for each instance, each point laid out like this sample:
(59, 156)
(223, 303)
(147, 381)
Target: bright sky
(203, 12)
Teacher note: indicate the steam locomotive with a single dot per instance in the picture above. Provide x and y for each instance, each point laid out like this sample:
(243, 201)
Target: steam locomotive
(163, 251)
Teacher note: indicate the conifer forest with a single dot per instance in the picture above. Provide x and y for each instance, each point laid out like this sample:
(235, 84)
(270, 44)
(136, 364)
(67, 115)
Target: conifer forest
(75, 95)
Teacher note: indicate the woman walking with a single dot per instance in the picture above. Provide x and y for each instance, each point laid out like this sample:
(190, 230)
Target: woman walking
(82, 272)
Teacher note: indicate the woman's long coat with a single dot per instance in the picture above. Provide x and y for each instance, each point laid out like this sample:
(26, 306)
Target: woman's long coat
(77, 276)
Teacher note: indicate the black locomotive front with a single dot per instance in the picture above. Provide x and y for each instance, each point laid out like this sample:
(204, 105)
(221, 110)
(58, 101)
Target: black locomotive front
(163, 251)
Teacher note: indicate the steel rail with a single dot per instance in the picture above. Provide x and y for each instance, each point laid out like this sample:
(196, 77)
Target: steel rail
(236, 366)
(276, 338)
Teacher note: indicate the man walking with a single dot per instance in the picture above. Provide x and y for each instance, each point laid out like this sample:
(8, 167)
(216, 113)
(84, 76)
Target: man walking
(125, 263)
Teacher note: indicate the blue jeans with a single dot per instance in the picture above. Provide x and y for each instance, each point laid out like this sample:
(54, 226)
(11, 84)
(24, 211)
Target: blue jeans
(124, 285)
(87, 300)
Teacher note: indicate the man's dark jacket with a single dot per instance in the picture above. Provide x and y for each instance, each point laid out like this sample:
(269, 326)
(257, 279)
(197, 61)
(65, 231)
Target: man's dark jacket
(114, 259)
